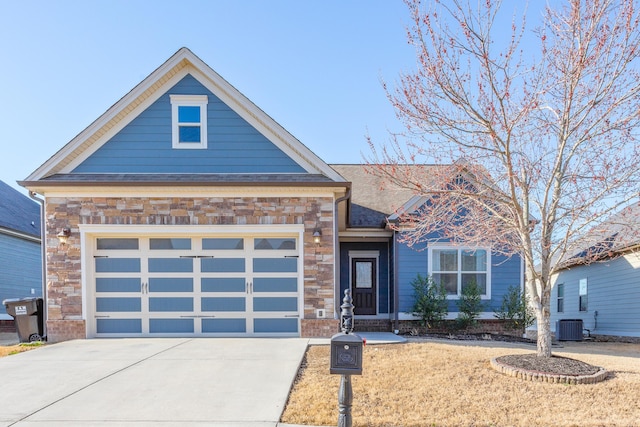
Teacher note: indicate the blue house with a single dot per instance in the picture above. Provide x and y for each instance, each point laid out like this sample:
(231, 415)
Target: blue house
(20, 250)
(604, 293)
(369, 248)
(185, 210)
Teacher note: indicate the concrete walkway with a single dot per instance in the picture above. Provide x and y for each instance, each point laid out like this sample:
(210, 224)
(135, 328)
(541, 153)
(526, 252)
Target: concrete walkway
(153, 381)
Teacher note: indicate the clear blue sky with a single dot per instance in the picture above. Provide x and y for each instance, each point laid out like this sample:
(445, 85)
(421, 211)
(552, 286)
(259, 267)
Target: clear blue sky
(314, 66)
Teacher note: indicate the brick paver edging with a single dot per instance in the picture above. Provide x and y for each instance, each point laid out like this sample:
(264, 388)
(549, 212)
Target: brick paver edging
(527, 375)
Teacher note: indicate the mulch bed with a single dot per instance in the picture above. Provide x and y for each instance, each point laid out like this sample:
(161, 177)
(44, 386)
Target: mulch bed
(551, 365)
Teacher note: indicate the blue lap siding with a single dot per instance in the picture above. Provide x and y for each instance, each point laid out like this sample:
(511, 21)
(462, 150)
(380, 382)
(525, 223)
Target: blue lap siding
(144, 145)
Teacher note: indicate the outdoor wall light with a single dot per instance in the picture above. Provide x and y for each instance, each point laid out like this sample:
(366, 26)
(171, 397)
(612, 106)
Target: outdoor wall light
(317, 234)
(63, 235)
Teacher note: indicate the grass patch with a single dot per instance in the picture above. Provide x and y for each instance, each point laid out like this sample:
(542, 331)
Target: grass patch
(441, 384)
(18, 348)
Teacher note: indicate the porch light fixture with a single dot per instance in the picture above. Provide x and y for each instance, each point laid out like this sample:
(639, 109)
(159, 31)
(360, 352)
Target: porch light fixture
(63, 235)
(317, 234)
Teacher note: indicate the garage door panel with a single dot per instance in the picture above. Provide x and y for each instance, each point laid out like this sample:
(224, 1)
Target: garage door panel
(275, 265)
(118, 284)
(275, 304)
(223, 243)
(275, 284)
(232, 326)
(287, 325)
(110, 243)
(170, 284)
(170, 244)
(222, 265)
(223, 284)
(171, 326)
(224, 304)
(119, 326)
(170, 265)
(116, 304)
(117, 265)
(170, 304)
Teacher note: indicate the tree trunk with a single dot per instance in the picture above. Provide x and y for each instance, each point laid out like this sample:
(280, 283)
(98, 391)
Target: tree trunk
(544, 331)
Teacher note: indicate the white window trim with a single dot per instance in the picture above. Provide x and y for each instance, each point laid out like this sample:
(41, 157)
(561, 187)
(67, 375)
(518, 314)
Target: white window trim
(188, 101)
(459, 248)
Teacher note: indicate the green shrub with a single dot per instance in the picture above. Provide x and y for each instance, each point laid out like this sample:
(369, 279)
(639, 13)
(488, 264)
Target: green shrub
(430, 303)
(470, 306)
(515, 310)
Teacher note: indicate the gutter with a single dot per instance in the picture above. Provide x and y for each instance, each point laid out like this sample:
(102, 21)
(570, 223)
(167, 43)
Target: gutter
(336, 263)
(43, 251)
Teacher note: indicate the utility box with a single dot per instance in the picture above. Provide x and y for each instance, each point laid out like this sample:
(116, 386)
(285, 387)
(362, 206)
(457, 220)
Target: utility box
(569, 330)
(346, 354)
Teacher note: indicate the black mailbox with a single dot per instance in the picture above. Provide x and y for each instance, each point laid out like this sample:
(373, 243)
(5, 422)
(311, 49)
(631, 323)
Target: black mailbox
(346, 354)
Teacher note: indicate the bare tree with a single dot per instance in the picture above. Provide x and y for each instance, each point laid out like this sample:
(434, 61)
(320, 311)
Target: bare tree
(537, 130)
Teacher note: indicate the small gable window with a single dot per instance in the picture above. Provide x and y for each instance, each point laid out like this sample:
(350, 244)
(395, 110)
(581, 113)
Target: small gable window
(189, 121)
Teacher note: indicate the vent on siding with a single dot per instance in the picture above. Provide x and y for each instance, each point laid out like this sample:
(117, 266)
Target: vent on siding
(569, 330)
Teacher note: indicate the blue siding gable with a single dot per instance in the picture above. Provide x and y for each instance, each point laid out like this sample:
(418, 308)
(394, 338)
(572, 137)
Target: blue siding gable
(144, 145)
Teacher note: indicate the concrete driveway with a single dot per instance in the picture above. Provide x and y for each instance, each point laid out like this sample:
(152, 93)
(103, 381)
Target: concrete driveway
(150, 382)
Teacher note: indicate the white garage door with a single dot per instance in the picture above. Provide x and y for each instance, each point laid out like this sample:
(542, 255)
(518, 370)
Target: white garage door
(196, 286)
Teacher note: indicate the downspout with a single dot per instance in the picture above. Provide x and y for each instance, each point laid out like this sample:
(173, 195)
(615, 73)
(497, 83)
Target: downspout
(43, 255)
(336, 264)
(396, 320)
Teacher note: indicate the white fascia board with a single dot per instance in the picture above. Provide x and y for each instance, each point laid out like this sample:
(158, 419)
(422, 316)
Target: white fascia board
(410, 206)
(69, 149)
(263, 122)
(212, 81)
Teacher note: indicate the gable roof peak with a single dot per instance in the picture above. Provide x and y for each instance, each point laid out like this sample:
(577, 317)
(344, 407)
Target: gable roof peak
(181, 63)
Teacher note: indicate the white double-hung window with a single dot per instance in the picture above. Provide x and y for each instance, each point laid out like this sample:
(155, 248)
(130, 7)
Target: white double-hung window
(456, 267)
(189, 121)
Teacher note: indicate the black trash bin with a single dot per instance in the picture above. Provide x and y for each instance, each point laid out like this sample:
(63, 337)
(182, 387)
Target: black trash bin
(28, 314)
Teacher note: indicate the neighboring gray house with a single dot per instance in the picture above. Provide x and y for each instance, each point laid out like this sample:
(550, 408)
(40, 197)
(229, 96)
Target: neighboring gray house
(20, 251)
(605, 293)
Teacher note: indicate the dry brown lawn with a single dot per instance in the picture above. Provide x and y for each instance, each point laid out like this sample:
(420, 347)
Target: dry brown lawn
(443, 384)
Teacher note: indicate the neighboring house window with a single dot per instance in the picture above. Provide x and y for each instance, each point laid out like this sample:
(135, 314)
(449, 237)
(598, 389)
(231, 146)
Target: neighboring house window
(189, 121)
(456, 268)
(583, 300)
(560, 288)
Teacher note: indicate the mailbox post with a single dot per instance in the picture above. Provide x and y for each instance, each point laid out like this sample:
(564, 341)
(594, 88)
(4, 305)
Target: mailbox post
(346, 359)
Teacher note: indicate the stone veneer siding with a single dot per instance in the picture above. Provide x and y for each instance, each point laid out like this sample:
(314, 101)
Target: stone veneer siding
(64, 287)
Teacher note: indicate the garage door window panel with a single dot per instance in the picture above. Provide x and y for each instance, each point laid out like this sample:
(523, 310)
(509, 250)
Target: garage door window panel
(171, 326)
(275, 265)
(223, 244)
(125, 304)
(170, 304)
(273, 284)
(173, 284)
(170, 265)
(223, 284)
(275, 304)
(170, 244)
(275, 325)
(275, 244)
(120, 244)
(117, 265)
(214, 304)
(119, 326)
(233, 326)
(118, 284)
(222, 265)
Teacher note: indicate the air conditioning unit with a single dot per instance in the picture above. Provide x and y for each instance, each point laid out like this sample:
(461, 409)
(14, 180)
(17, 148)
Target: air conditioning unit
(569, 330)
